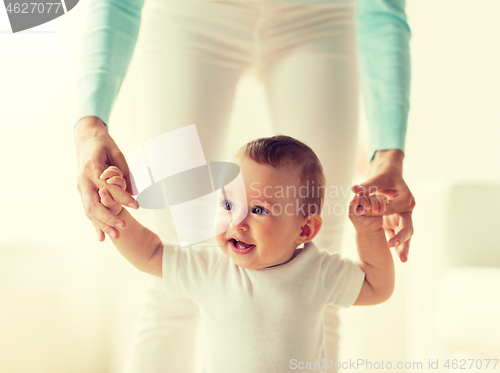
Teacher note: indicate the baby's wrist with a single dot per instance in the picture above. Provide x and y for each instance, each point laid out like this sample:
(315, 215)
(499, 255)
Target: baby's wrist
(369, 232)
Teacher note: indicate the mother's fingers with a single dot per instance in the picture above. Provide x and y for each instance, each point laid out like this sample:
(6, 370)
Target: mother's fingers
(374, 189)
(404, 231)
(101, 236)
(401, 204)
(110, 231)
(404, 251)
(102, 218)
(389, 233)
(91, 171)
(94, 209)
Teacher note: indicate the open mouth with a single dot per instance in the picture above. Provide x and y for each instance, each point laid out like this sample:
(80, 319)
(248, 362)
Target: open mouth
(241, 247)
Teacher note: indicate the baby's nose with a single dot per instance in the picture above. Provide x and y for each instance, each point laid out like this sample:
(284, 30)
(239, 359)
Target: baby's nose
(238, 220)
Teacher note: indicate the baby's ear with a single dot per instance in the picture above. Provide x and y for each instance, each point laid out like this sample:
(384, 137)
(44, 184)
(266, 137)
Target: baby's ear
(310, 227)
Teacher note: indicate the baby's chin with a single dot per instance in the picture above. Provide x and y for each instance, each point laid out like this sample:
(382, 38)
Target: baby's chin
(246, 265)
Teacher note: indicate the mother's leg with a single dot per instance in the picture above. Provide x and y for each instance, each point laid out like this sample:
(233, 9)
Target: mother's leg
(188, 75)
(312, 87)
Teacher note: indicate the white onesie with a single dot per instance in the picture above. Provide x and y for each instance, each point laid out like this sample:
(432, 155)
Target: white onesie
(264, 320)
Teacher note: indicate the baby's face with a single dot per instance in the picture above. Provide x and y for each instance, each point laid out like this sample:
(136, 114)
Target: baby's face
(269, 234)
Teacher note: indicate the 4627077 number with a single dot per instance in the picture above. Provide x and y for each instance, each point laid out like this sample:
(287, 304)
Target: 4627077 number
(35, 7)
(469, 364)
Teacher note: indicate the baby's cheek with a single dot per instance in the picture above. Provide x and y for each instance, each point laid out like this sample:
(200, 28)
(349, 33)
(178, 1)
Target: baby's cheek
(219, 238)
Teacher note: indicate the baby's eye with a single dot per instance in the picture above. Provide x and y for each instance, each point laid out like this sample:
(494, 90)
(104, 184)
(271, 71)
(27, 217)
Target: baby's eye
(227, 205)
(260, 210)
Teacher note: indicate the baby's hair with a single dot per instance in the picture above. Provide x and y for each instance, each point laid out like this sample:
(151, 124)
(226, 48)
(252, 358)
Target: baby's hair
(281, 150)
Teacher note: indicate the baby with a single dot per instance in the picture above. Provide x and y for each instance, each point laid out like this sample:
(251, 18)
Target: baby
(261, 297)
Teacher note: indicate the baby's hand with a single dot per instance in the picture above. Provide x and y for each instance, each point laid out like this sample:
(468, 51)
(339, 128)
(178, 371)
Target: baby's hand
(366, 212)
(114, 179)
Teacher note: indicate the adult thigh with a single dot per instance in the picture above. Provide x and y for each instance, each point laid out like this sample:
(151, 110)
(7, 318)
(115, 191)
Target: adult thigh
(312, 90)
(185, 77)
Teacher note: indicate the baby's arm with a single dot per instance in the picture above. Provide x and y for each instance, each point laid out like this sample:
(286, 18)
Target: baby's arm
(375, 257)
(139, 245)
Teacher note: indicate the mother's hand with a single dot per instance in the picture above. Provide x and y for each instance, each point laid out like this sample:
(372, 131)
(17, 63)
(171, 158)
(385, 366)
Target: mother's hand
(386, 177)
(95, 151)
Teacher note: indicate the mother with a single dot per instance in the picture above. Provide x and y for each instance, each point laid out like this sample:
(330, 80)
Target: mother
(192, 55)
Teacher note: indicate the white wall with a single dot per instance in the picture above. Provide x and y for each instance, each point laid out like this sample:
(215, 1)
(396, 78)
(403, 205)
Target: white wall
(71, 301)
(454, 129)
